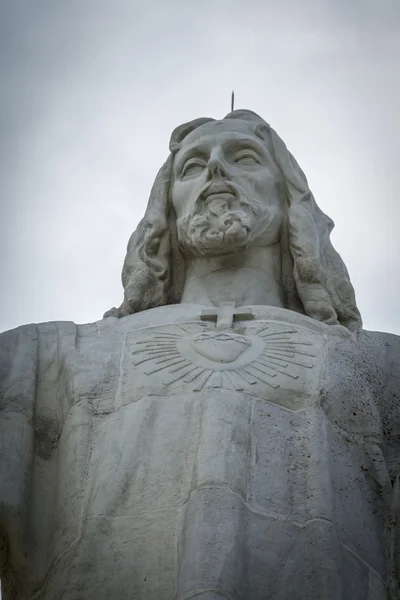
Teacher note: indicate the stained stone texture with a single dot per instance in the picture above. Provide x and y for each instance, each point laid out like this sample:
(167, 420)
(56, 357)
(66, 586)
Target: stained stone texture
(236, 435)
(117, 485)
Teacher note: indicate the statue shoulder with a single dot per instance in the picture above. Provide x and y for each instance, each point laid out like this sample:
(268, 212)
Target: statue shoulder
(382, 352)
(383, 349)
(18, 360)
(23, 352)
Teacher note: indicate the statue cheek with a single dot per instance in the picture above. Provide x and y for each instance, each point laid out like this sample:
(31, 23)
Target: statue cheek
(184, 196)
(268, 189)
(179, 195)
(260, 185)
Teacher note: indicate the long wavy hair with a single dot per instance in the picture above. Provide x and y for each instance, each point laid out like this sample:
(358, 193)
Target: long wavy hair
(314, 277)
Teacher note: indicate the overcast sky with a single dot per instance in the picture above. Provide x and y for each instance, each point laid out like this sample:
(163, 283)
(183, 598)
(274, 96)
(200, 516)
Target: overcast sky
(91, 90)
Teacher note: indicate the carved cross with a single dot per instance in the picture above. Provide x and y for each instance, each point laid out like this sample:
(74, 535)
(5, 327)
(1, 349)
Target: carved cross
(225, 315)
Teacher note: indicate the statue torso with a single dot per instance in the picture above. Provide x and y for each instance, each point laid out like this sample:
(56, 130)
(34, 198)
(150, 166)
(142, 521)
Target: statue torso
(185, 458)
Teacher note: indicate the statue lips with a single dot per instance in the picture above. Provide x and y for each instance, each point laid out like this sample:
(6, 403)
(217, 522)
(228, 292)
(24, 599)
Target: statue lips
(219, 198)
(220, 347)
(217, 189)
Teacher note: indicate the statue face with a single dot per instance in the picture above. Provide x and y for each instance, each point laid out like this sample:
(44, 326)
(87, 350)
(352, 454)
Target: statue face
(225, 190)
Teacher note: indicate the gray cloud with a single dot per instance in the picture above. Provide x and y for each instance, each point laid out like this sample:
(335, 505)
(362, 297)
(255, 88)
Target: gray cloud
(91, 91)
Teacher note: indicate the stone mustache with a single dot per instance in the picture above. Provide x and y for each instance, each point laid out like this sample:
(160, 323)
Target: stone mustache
(236, 434)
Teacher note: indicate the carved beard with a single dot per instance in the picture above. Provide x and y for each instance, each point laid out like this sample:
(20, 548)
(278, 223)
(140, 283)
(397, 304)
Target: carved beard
(219, 225)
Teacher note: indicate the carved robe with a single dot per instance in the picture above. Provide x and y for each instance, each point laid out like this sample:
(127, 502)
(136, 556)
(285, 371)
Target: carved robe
(156, 458)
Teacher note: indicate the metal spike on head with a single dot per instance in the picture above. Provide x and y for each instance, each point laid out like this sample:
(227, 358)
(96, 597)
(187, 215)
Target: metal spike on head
(233, 100)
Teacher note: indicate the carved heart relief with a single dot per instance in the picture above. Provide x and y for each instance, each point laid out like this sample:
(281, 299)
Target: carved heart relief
(220, 347)
(255, 362)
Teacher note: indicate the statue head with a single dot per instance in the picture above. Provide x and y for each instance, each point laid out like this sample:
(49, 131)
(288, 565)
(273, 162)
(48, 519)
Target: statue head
(225, 191)
(228, 185)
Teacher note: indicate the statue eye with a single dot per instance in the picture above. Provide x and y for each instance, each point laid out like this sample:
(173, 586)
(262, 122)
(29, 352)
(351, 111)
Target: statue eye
(246, 158)
(192, 167)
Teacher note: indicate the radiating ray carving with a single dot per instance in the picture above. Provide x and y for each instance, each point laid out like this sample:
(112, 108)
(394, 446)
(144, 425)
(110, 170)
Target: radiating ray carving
(200, 357)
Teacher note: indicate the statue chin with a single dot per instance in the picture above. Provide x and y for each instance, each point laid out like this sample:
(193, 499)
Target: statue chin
(215, 243)
(206, 237)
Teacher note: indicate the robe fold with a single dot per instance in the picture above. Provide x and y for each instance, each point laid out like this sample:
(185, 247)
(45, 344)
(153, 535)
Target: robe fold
(157, 458)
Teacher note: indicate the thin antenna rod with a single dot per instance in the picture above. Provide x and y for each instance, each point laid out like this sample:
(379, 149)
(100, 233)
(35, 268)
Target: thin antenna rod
(233, 101)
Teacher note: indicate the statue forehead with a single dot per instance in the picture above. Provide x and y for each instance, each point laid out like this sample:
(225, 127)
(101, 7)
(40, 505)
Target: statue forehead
(237, 127)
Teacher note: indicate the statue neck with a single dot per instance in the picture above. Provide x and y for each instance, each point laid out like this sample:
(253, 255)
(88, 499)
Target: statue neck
(252, 277)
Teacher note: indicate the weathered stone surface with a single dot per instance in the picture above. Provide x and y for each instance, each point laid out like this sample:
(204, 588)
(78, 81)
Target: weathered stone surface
(172, 492)
(243, 444)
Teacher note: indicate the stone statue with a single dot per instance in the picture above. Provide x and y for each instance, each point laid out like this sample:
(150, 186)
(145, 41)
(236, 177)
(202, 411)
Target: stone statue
(236, 434)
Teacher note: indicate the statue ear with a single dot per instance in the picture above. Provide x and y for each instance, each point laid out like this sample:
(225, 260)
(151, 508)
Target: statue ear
(180, 132)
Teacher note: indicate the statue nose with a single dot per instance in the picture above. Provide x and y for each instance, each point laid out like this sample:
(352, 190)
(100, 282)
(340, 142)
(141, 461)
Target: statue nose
(215, 167)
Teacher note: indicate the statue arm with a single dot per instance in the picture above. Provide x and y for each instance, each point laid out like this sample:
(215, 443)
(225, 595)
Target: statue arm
(384, 375)
(18, 373)
(381, 357)
(387, 386)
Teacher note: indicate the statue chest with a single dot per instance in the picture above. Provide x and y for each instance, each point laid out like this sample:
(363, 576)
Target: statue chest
(270, 360)
(177, 428)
